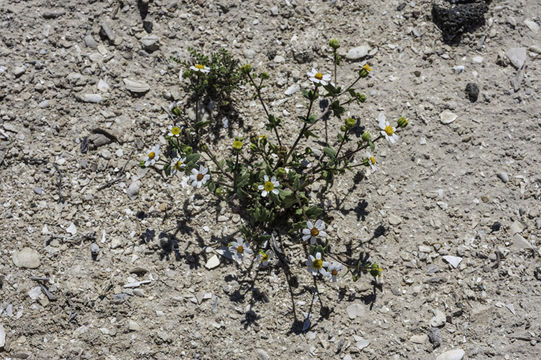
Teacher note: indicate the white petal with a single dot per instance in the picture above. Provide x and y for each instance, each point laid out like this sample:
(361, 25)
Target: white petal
(320, 225)
(322, 233)
(306, 237)
(309, 225)
(195, 172)
(264, 193)
(260, 187)
(313, 240)
(266, 177)
(381, 120)
(318, 256)
(306, 231)
(275, 191)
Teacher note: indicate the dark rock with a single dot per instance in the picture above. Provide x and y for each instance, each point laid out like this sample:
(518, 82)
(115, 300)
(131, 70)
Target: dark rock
(496, 226)
(455, 17)
(434, 335)
(401, 7)
(472, 90)
(147, 25)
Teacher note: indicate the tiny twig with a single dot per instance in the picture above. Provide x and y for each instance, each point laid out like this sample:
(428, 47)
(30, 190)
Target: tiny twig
(119, 177)
(60, 197)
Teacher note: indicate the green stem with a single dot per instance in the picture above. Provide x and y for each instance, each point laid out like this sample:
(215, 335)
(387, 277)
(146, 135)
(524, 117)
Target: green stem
(258, 93)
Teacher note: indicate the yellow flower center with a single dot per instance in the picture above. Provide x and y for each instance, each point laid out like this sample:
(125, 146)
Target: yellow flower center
(317, 264)
(240, 249)
(314, 232)
(178, 165)
(175, 130)
(318, 76)
(334, 272)
(199, 177)
(264, 257)
(199, 66)
(373, 160)
(237, 144)
(268, 186)
(151, 155)
(367, 68)
(389, 130)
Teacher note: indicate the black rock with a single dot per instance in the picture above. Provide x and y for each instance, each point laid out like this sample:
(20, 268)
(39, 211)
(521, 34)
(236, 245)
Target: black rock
(496, 226)
(434, 335)
(401, 7)
(147, 25)
(472, 90)
(455, 17)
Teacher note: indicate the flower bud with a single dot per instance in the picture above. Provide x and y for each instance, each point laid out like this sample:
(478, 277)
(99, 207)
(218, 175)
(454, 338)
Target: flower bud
(253, 147)
(246, 68)
(375, 270)
(253, 138)
(366, 162)
(361, 97)
(237, 144)
(264, 75)
(343, 128)
(402, 122)
(281, 171)
(308, 150)
(333, 43)
(366, 136)
(204, 147)
(176, 111)
(350, 123)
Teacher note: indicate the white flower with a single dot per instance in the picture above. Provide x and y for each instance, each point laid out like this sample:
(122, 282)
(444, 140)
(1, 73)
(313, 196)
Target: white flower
(199, 178)
(174, 130)
(386, 129)
(333, 271)
(318, 78)
(269, 186)
(174, 104)
(177, 164)
(371, 161)
(312, 231)
(152, 155)
(264, 258)
(239, 249)
(316, 265)
(200, 68)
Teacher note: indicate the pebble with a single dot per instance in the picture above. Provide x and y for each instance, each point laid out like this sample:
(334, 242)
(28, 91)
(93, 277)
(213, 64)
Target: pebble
(249, 53)
(116, 242)
(520, 242)
(434, 335)
(90, 42)
(503, 176)
(38, 190)
(150, 43)
(90, 98)
(517, 56)
(532, 25)
(419, 339)
(516, 227)
(477, 59)
(72, 229)
(274, 11)
(292, 89)
(133, 326)
(52, 13)
(2, 337)
(425, 249)
(472, 91)
(107, 32)
(355, 310)
(447, 117)
(103, 86)
(458, 69)
(213, 262)
(135, 86)
(438, 320)
(133, 189)
(538, 224)
(358, 52)
(455, 354)
(361, 343)
(453, 260)
(34, 293)
(26, 258)
(19, 70)
(394, 220)
(94, 250)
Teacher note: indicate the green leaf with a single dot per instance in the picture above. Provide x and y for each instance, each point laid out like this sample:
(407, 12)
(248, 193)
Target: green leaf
(330, 152)
(313, 212)
(307, 133)
(192, 158)
(311, 119)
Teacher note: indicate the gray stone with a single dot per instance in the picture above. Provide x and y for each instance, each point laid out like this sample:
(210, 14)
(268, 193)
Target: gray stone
(90, 98)
(394, 220)
(38, 190)
(516, 227)
(517, 56)
(538, 223)
(150, 43)
(94, 250)
(292, 89)
(103, 86)
(520, 242)
(133, 326)
(355, 310)
(213, 262)
(532, 25)
(434, 335)
(438, 320)
(90, 42)
(249, 53)
(52, 13)
(133, 189)
(358, 52)
(455, 354)
(19, 70)
(447, 117)
(274, 11)
(26, 258)
(2, 337)
(419, 339)
(107, 32)
(72, 229)
(135, 86)
(453, 260)
(503, 176)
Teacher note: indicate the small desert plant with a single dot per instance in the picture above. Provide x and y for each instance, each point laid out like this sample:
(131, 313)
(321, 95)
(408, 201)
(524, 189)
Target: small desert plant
(275, 183)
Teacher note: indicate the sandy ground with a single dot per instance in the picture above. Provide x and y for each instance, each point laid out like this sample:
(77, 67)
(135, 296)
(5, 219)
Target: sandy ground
(469, 189)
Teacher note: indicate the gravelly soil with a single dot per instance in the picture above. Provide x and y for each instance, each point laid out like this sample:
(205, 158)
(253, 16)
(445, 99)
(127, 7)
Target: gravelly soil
(442, 190)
